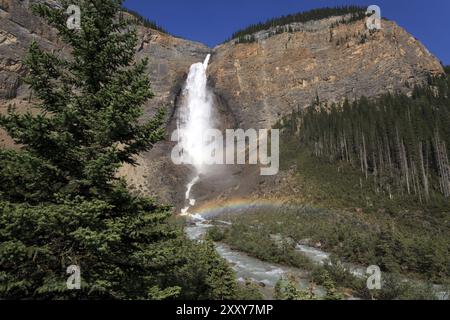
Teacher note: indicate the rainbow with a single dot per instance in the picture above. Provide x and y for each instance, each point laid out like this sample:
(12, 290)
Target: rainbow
(216, 208)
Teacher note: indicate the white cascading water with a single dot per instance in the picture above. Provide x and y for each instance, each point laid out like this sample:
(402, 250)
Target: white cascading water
(194, 119)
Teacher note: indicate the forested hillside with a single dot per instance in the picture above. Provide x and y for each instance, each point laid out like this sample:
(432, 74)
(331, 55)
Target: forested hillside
(372, 180)
(402, 143)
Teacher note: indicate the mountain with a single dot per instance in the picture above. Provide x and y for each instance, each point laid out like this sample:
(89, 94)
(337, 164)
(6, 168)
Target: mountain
(170, 57)
(266, 79)
(256, 83)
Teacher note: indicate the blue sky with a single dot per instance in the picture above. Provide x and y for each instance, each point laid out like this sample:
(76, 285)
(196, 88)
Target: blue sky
(213, 21)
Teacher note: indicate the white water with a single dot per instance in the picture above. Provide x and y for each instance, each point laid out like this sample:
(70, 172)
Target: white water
(194, 119)
(195, 116)
(191, 201)
(247, 267)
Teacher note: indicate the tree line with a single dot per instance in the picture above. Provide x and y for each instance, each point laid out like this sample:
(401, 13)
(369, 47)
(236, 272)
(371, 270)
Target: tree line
(139, 19)
(245, 35)
(402, 142)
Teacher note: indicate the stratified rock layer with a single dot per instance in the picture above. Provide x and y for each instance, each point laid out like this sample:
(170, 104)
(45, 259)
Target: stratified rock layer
(264, 80)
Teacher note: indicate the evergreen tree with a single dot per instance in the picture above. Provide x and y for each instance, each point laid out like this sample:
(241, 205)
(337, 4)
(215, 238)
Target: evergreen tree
(61, 202)
(400, 143)
(249, 291)
(286, 289)
(330, 287)
(139, 19)
(221, 281)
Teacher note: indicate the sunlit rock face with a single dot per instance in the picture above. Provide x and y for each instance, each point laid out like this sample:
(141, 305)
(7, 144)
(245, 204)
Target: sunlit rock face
(264, 80)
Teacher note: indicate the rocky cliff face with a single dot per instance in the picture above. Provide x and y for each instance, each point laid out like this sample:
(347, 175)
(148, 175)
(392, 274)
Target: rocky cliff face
(169, 57)
(264, 80)
(169, 62)
(255, 83)
(18, 28)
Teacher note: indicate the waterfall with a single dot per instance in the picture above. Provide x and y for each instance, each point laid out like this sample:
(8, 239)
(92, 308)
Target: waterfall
(188, 198)
(195, 117)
